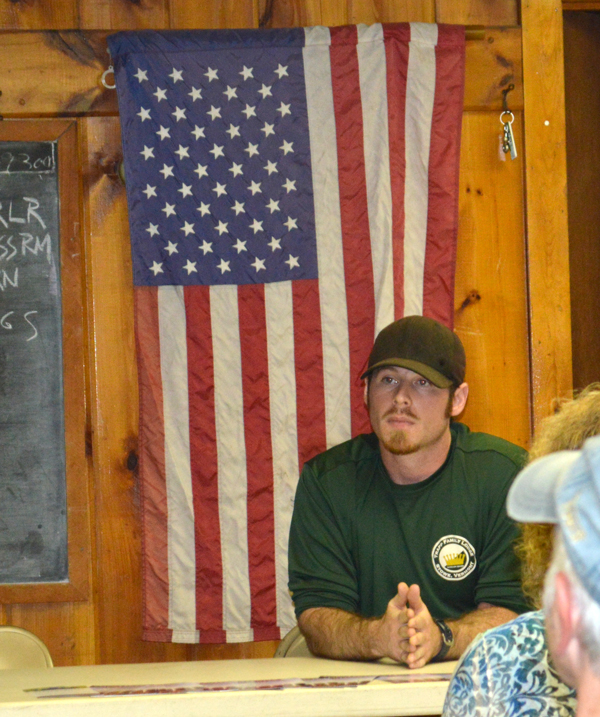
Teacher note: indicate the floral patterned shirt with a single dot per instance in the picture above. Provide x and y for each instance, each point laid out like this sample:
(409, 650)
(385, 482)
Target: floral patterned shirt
(505, 672)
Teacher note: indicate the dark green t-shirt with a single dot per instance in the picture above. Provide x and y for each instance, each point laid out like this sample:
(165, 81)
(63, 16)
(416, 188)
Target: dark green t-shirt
(355, 534)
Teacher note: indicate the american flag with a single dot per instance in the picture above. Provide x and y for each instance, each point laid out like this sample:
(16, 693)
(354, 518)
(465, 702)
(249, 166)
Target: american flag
(290, 192)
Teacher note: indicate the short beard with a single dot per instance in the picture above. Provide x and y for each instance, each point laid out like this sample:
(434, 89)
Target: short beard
(398, 444)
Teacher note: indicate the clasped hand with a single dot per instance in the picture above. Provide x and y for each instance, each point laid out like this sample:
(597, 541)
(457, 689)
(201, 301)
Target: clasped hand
(407, 632)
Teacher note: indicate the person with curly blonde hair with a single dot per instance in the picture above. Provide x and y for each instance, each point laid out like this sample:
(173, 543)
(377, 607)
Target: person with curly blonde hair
(507, 671)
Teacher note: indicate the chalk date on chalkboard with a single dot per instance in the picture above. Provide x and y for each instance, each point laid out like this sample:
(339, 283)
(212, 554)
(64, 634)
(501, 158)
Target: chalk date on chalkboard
(33, 525)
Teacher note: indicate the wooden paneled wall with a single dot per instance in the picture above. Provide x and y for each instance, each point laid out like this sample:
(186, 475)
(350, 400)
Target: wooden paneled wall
(57, 73)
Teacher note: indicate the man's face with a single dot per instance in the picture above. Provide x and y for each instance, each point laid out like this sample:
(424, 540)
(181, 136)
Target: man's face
(407, 412)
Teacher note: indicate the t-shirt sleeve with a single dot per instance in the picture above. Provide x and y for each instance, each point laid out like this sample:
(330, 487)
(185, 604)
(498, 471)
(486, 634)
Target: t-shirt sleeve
(322, 572)
(499, 568)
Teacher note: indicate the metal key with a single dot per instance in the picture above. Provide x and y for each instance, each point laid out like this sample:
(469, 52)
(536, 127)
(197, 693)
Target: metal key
(508, 143)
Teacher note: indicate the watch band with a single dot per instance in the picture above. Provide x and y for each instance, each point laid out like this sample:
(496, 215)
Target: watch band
(447, 640)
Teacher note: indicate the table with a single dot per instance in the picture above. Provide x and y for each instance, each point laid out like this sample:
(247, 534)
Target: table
(27, 692)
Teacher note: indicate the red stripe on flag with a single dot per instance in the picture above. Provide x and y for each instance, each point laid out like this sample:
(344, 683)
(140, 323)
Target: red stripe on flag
(396, 38)
(259, 455)
(358, 267)
(442, 219)
(152, 467)
(308, 357)
(204, 466)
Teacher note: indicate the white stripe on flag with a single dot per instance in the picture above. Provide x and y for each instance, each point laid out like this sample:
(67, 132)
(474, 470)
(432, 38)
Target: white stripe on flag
(180, 505)
(231, 461)
(284, 433)
(420, 90)
(328, 225)
(373, 90)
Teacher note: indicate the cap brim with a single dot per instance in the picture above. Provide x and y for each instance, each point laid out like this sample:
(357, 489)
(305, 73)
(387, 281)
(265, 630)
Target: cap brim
(532, 496)
(436, 378)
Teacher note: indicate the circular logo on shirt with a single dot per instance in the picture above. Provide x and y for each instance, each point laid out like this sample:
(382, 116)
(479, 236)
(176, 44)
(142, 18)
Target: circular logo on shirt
(453, 557)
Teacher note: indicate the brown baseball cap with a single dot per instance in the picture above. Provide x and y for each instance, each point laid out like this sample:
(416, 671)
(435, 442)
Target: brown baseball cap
(422, 345)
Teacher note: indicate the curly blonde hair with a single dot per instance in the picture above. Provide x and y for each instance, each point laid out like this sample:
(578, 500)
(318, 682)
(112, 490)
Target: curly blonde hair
(573, 421)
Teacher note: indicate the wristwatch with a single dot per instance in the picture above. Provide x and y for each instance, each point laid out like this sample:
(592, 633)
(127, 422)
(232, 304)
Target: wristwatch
(447, 640)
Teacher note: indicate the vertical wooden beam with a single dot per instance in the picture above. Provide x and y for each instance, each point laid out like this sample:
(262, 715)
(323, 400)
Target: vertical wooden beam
(546, 179)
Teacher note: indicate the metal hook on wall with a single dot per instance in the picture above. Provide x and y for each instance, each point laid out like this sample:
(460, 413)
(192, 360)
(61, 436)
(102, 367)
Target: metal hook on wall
(504, 101)
(506, 120)
(111, 70)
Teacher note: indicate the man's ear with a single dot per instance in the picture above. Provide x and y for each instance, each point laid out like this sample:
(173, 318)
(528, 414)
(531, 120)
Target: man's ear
(459, 400)
(366, 393)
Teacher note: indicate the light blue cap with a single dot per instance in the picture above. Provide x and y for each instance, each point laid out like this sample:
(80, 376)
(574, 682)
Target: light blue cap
(564, 488)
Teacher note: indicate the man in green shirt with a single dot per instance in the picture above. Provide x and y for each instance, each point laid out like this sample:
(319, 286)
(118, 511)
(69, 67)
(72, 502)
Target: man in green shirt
(400, 545)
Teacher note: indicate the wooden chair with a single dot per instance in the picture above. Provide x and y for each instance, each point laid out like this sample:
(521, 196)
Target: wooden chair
(21, 649)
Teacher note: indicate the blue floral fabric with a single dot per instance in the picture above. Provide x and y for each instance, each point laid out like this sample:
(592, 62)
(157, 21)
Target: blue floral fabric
(505, 672)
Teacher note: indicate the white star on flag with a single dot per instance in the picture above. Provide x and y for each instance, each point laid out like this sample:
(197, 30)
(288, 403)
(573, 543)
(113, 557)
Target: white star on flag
(152, 229)
(220, 189)
(204, 208)
(247, 72)
(195, 94)
(176, 76)
(238, 207)
(182, 152)
(179, 113)
(148, 152)
(217, 151)
(224, 266)
(167, 171)
(236, 169)
(249, 112)
(275, 244)
(231, 92)
(254, 187)
(258, 264)
(156, 268)
(265, 91)
(163, 132)
(214, 112)
(281, 71)
(291, 224)
(190, 266)
(186, 190)
(256, 226)
(268, 129)
(201, 170)
(206, 247)
(233, 131)
(141, 75)
(160, 94)
(149, 191)
(292, 261)
(271, 167)
(168, 209)
(187, 228)
(287, 147)
(171, 248)
(221, 228)
(144, 114)
(198, 132)
(284, 109)
(240, 246)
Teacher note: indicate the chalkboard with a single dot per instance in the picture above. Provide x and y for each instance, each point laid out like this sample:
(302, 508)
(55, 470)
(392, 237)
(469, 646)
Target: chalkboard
(33, 503)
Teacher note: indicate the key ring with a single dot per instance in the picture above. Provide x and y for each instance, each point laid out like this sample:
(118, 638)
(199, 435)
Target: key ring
(506, 112)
